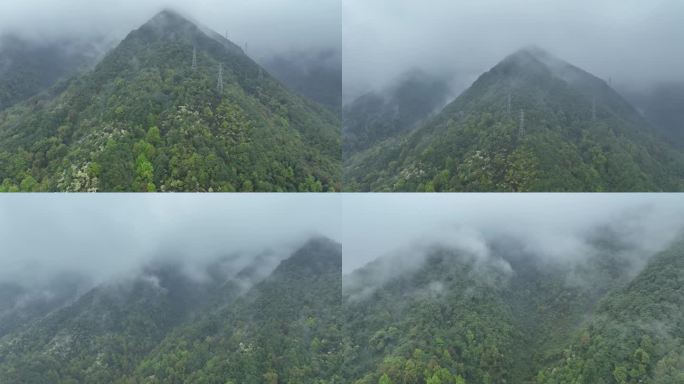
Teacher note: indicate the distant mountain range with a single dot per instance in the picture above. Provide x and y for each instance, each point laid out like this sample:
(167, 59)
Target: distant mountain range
(531, 123)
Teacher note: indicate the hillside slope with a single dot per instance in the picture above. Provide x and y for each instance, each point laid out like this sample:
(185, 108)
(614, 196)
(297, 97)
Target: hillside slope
(246, 324)
(513, 318)
(146, 120)
(531, 123)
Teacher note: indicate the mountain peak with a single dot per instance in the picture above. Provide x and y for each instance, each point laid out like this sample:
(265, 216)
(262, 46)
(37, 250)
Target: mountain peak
(168, 14)
(318, 255)
(534, 50)
(530, 58)
(169, 21)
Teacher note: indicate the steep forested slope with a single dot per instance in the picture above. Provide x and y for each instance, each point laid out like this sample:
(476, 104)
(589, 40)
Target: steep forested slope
(146, 119)
(513, 318)
(104, 333)
(635, 336)
(166, 327)
(531, 123)
(285, 330)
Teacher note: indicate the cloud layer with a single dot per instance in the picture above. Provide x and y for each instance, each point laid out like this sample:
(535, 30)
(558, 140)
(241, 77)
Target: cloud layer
(109, 235)
(555, 227)
(267, 26)
(631, 41)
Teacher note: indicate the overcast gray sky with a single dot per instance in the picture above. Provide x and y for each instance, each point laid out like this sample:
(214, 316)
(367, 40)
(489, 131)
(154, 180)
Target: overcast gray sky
(552, 226)
(633, 41)
(107, 235)
(268, 26)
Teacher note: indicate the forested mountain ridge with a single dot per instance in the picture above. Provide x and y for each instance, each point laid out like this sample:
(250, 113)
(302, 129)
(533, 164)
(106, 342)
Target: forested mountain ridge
(286, 329)
(531, 123)
(147, 119)
(165, 327)
(455, 318)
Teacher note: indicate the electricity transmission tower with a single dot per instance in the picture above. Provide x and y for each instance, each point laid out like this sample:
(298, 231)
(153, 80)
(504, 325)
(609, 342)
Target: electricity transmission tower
(521, 129)
(219, 82)
(194, 58)
(593, 108)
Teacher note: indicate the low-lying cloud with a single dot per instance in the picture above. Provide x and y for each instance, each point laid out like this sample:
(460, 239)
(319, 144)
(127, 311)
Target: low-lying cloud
(268, 27)
(557, 228)
(636, 43)
(108, 236)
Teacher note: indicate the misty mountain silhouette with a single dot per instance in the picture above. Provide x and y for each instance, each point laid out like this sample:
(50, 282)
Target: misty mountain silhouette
(134, 329)
(531, 123)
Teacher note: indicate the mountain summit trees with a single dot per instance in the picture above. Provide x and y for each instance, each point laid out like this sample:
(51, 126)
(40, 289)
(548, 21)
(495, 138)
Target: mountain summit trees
(573, 133)
(145, 120)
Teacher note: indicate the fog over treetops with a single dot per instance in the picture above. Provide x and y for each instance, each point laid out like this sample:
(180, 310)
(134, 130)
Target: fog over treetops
(554, 227)
(267, 27)
(634, 43)
(103, 237)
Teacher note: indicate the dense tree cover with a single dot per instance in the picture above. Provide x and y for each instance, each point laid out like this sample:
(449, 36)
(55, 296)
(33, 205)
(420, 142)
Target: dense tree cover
(104, 333)
(144, 120)
(635, 336)
(285, 330)
(374, 117)
(476, 144)
(457, 319)
(436, 325)
(165, 327)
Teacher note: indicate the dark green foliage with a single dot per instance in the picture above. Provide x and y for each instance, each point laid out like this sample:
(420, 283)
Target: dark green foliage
(635, 336)
(103, 334)
(476, 144)
(455, 318)
(165, 327)
(285, 330)
(143, 120)
(434, 322)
